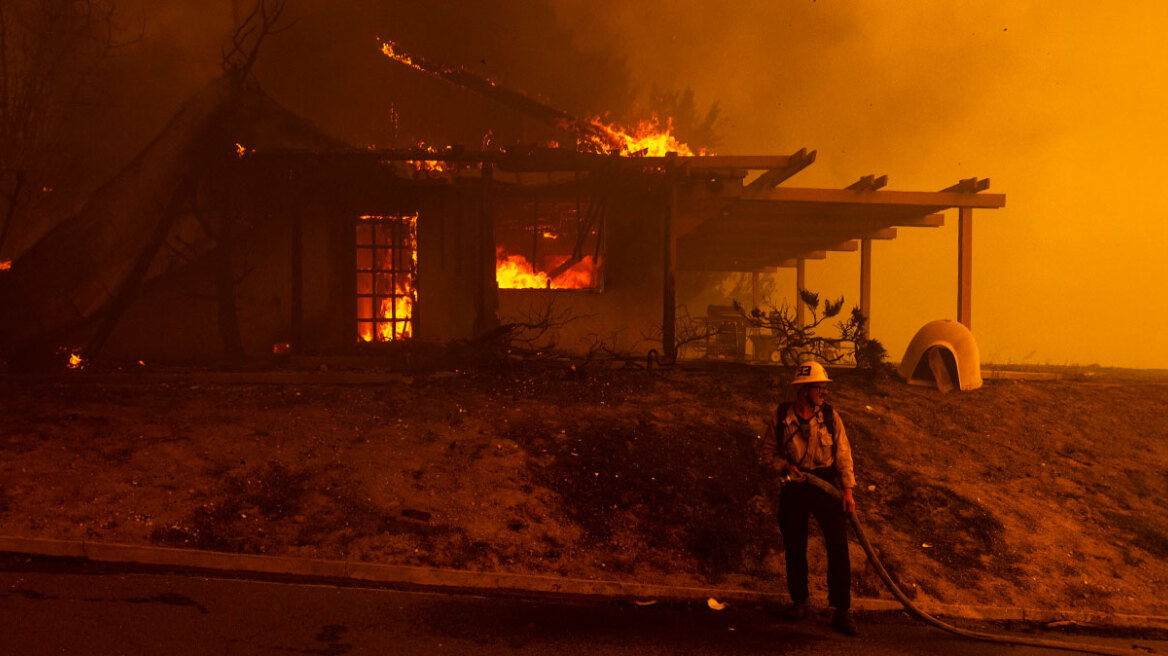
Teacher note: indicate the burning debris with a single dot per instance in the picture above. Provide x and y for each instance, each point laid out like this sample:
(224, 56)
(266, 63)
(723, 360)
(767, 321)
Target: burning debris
(76, 362)
(648, 138)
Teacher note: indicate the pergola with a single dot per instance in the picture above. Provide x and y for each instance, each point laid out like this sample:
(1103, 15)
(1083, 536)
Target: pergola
(727, 225)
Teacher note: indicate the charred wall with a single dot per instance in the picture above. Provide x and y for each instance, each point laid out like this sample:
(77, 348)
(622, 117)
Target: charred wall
(626, 314)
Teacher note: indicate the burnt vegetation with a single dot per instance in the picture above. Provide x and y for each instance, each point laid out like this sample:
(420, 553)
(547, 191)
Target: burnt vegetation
(678, 482)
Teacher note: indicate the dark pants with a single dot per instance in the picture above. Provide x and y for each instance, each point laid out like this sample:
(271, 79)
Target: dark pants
(796, 502)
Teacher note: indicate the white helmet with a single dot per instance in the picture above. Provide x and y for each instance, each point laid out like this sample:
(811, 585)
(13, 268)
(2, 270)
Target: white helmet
(810, 372)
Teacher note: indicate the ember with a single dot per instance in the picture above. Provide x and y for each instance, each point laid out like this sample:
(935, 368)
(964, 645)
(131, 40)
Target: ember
(5, 265)
(429, 165)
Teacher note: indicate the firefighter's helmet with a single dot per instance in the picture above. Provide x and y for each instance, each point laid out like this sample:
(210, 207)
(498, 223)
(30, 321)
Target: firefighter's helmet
(810, 372)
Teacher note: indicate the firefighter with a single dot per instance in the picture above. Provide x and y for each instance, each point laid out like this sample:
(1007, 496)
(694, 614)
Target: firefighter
(808, 437)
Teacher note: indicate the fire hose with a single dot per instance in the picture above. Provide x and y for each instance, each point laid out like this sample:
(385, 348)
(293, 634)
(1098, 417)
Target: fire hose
(929, 619)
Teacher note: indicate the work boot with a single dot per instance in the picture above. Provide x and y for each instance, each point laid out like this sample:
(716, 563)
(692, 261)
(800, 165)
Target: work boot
(796, 611)
(844, 622)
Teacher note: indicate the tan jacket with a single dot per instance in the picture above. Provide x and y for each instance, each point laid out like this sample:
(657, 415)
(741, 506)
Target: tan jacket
(793, 446)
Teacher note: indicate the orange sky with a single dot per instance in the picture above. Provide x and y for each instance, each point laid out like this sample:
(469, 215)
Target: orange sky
(1062, 105)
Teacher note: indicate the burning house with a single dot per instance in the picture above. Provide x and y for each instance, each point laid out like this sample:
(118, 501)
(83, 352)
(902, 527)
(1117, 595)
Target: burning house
(242, 230)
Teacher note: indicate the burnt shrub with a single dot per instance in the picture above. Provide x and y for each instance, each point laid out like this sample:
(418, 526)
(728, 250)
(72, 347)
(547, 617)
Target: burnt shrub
(237, 516)
(689, 486)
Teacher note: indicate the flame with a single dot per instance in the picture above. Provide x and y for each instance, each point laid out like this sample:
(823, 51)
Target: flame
(76, 361)
(515, 272)
(399, 309)
(241, 150)
(281, 348)
(429, 165)
(387, 48)
(648, 139)
(5, 265)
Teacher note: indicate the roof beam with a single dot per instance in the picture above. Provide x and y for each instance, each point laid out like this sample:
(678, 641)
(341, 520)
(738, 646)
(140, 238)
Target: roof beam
(745, 264)
(868, 183)
(969, 186)
(924, 199)
(774, 177)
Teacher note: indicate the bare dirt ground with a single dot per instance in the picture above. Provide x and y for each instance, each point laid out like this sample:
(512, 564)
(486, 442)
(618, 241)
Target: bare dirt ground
(1039, 494)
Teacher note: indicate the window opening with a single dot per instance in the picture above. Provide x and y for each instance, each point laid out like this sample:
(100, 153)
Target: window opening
(544, 244)
(387, 266)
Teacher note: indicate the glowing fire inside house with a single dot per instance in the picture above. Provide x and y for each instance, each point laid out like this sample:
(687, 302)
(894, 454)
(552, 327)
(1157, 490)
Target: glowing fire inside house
(549, 244)
(387, 264)
(515, 272)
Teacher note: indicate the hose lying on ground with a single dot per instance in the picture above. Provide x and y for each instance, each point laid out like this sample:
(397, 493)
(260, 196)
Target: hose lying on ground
(921, 615)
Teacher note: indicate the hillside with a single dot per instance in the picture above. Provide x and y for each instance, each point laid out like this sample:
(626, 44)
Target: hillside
(1038, 494)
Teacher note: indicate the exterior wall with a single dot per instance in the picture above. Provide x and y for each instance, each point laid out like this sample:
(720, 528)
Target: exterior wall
(626, 314)
(451, 271)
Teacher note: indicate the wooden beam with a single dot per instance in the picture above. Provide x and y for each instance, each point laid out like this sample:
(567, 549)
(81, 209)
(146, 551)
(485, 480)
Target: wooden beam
(776, 176)
(883, 233)
(924, 199)
(750, 263)
(969, 186)
(868, 183)
(669, 316)
(734, 268)
(828, 241)
(965, 267)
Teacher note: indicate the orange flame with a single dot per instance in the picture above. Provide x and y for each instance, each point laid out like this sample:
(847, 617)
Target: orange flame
(76, 361)
(396, 310)
(649, 139)
(387, 48)
(5, 265)
(429, 165)
(515, 272)
(241, 150)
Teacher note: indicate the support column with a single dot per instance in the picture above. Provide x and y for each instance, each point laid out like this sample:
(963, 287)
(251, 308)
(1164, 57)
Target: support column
(866, 284)
(669, 301)
(754, 290)
(965, 266)
(800, 285)
(297, 278)
(486, 287)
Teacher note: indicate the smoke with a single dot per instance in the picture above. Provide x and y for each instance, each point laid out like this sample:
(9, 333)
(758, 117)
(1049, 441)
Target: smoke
(1062, 110)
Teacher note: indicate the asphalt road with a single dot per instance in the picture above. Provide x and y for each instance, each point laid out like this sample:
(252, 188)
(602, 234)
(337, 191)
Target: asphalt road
(55, 611)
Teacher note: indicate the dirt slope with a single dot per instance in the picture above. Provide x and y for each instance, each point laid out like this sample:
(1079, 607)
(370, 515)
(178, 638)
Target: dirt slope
(1040, 494)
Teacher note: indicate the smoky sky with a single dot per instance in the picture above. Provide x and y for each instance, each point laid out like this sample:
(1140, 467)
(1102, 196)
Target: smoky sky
(1062, 110)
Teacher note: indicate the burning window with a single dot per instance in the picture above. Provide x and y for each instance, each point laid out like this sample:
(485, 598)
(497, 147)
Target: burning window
(549, 245)
(387, 266)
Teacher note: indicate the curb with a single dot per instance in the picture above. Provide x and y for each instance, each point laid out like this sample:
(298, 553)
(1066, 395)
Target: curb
(308, 570)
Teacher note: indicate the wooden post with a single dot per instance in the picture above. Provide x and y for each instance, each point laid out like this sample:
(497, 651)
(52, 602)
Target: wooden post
(297, 278)
(800, 285)
(486, 287)
(866, 284)
(750, 328)
(669, 314)
(965, 266)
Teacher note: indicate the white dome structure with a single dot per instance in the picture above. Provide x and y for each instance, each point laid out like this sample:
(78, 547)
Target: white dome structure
(942, 353)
